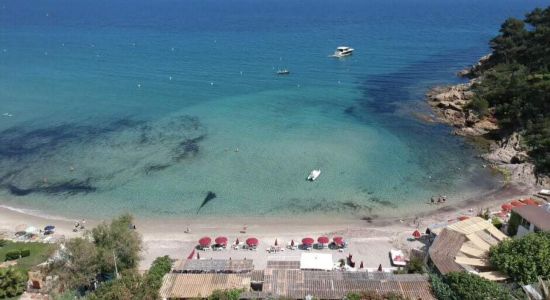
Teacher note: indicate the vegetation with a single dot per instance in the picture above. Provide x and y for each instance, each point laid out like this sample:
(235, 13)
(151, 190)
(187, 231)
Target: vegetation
(523, 259)
(371, 295)
(467, 286)
(93, 257)
(513, 224)
(516, 83)
(134, 286)
(12, 282)
(31, 254)
(497, 222)
(232, 294)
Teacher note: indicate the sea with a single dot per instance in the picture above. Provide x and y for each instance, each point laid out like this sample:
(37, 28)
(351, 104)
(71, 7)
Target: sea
(149, 106)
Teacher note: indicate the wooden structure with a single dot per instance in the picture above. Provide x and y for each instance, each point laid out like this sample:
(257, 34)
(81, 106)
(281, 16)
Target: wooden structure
(213, 266)
(298, 284)
(185, 286)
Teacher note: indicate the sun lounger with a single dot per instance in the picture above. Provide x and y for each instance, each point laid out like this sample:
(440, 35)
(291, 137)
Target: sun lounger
(397, 257)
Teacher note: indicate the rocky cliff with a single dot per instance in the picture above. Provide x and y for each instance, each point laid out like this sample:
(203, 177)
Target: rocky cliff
(507, 154)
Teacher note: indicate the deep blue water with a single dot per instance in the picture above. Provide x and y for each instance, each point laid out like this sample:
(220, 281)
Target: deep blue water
(145, 106)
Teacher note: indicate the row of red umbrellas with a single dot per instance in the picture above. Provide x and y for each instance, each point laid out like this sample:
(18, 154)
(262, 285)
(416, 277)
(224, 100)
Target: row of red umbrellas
(508, 206)
(222, 240)
(338, 240)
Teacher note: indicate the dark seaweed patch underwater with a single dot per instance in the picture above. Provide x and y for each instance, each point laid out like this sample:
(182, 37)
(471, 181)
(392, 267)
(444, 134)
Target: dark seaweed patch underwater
(70, 159)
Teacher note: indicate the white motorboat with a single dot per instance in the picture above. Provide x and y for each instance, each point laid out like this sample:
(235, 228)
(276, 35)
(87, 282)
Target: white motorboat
(343, 51)
(314, 175)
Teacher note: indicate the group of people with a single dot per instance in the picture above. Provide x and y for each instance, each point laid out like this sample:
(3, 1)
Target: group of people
(79, 225)
(440, 199)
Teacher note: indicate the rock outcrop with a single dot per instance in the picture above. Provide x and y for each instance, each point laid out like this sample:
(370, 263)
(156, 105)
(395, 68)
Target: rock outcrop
(450, 104)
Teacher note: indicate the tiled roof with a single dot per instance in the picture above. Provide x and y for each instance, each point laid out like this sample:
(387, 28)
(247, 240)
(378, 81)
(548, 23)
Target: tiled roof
(297, 284)
(214, 265)
(183, 285)
(535, 215)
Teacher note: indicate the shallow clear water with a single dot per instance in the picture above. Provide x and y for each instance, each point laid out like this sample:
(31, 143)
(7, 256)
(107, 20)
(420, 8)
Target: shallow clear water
(145, 107)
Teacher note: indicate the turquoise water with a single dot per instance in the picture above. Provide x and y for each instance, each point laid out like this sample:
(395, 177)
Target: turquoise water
(149, 105)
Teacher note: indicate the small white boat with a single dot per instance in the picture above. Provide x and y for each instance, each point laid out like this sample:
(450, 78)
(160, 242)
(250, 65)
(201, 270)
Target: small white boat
(283, 72)
(545, 192)
(314, 175)
(343, 51)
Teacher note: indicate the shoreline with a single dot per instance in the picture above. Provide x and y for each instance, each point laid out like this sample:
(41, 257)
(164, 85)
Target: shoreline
(168, 237)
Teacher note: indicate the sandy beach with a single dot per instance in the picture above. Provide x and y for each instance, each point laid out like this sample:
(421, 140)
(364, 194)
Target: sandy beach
(369, 240)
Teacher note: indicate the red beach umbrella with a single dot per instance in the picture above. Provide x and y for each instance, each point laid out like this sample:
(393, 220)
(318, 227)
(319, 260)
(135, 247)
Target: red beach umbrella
(361, 265)
(338, 240)
(252, 242)
(462, 218)
(516, 203)
(531, 202)
(191, 255)
(417, 234)
(323, 240)
(308, 241)
(205, 241)
(506, 207)
(221, 240)
(276, 244)
(292, 243)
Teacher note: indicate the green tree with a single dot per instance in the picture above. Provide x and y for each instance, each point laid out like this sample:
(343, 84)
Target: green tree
(117, 241)
(467, 286)
(12, 282)
(131, 285)
(523, 259)
(441, 290)
(80, 267)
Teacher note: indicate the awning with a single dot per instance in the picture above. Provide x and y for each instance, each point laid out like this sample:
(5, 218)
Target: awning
(221, 240)
(252, 242)
(506, 207)
(323, 240)
(316, 261)
(530, 202)
(516, 203)
(308, 241)
(205, 241)
(338, 240)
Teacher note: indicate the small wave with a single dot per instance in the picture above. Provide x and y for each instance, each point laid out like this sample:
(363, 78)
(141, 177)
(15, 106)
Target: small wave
(36, 213)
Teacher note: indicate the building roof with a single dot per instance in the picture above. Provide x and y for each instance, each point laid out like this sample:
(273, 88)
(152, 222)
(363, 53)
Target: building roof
(283, 264)
(316, 261)
(464, 245)
(182, 285)
(536, 215)
(297, 284)
(444, 250)
(214, 265)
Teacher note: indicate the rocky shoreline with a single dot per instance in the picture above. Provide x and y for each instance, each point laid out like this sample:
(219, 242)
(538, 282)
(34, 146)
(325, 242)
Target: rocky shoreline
(505, 154)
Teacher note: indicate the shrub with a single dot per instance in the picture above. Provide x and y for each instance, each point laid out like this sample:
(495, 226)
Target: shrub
(25, 252)
(415, 265)
(513, 224)
(11, 255)
(480, 106)
(523, 259)
(12, 282)
(496, 222)
(3, 242)
(468, 286)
